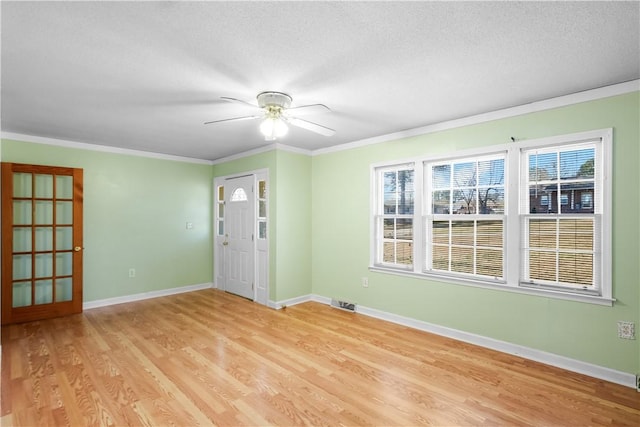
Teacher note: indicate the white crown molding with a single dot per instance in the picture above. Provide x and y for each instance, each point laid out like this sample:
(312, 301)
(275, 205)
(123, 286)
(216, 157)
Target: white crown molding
(573, 365)
(284, 147)
(547, 104)
(102, 148)
(145, 295)
(253, 152)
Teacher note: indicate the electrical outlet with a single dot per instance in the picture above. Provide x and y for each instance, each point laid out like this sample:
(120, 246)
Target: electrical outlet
(189, 225)
(365, 282)
(132, 272)
(626, 330)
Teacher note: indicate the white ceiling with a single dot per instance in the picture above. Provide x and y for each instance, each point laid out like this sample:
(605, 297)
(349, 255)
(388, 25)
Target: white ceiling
(147, 75)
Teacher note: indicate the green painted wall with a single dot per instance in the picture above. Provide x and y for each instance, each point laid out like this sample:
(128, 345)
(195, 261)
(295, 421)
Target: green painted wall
(340, 241)
(135, 214)
(293, 240)
(289, 221)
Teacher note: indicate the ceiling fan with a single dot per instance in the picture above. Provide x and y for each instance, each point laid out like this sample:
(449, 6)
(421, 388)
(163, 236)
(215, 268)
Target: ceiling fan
(276, 115)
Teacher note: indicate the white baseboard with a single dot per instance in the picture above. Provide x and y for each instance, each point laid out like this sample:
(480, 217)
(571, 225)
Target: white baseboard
(558, 361)
(288, 302)
(144, 295)
(321, 299)
(573, 365)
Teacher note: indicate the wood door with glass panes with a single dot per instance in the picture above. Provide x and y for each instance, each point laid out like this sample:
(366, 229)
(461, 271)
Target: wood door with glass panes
(41, 242)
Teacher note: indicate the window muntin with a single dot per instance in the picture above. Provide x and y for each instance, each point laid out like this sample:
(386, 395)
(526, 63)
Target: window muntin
(465, 223)
(560, 249)
(395, 217)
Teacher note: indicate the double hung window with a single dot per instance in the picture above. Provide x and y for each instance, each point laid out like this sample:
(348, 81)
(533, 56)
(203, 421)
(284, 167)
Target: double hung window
(532, 216)
(562, 238)
(395, 217)
(465, 222)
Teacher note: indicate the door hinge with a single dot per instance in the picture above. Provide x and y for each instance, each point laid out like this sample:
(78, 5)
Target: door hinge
(252, 237)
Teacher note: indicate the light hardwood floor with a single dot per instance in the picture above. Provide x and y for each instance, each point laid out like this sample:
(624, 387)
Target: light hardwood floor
(208, 357)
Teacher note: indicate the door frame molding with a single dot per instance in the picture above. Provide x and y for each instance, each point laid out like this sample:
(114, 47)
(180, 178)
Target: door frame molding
(260, 250)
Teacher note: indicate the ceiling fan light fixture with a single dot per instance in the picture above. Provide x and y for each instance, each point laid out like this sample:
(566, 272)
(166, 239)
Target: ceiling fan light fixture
(277, 116)
(273, 128)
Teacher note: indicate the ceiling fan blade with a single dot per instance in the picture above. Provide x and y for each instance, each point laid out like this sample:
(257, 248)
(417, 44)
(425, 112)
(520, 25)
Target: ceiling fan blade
(235, 119)
(239, 101)
(313, 127)
(309, 109)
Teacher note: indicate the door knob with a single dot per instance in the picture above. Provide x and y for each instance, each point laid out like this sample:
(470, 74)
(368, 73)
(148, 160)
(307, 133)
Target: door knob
(225, 243)
(77, 249)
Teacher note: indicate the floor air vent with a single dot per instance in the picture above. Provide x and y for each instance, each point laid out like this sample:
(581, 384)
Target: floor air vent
(344, 305)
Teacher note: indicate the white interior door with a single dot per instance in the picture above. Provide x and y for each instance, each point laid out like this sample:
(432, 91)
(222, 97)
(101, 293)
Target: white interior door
(239, 236)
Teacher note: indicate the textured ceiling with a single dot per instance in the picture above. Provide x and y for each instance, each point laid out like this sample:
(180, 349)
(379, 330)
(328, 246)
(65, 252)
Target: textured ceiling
(147, 75)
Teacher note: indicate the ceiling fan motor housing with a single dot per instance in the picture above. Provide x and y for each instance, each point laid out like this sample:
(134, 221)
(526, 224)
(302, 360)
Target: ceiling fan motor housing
(274, 99)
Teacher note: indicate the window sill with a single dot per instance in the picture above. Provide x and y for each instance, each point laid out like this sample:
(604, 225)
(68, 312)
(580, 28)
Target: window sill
(548, 293)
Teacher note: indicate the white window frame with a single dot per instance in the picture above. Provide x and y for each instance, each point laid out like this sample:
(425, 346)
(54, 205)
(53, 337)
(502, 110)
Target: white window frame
(377, 248)
(430, 217)
(603, 200)
(513, 258)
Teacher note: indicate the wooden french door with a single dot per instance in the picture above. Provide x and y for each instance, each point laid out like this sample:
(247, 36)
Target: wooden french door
(41, 242)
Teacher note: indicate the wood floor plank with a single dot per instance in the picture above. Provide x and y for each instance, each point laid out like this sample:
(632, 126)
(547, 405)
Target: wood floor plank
(211, 358)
